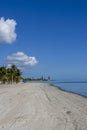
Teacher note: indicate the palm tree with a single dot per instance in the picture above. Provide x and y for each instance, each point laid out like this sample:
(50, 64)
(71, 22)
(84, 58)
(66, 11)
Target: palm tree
(3, 77)
(10, 75)
(18, 75)
(15, 74)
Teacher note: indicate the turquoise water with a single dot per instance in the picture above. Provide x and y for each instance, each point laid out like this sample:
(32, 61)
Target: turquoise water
(75, 87)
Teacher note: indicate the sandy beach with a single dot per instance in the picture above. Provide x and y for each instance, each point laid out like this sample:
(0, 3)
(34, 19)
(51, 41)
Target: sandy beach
(36, 106)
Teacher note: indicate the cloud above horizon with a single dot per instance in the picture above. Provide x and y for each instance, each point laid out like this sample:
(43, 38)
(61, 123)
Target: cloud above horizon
(21, 60)
(7, 30)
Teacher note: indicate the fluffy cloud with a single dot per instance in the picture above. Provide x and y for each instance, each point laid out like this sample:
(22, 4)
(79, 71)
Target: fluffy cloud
(7, 30)
(20, 59)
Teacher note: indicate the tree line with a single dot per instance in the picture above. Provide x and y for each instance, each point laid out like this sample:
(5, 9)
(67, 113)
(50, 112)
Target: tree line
(10, 75)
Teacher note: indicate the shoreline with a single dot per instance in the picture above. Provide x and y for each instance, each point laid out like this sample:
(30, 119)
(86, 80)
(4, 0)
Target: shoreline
(61, 88)
(39, 106)
(58, 87)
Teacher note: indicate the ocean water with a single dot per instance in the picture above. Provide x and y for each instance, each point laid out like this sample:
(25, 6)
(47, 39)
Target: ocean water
(75, 87)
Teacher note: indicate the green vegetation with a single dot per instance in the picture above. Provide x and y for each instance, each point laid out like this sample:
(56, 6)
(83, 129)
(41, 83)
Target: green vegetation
(13, 75)
(36, 79)
(10, 75)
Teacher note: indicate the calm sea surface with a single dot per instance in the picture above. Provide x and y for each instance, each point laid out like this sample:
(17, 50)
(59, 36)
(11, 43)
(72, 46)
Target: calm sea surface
(75, 87)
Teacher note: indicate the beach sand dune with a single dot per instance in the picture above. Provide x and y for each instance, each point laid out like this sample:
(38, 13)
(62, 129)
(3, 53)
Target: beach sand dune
(36, 106)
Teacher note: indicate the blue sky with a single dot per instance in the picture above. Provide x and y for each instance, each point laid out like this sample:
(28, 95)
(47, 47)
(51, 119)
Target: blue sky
(53, 32)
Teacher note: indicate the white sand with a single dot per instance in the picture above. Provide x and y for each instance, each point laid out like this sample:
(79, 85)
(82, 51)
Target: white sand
(37, 106)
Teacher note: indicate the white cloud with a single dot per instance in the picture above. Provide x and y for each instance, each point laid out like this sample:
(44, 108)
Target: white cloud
(21, 60)
(7, 30)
